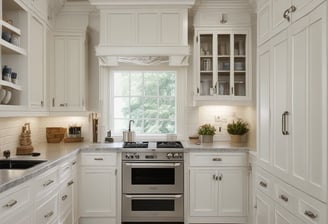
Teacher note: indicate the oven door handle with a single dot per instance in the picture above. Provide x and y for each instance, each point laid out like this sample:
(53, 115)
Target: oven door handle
(151, 165)
(139, 196)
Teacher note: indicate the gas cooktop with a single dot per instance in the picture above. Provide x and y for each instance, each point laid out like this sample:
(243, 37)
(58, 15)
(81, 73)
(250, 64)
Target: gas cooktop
(159, 144)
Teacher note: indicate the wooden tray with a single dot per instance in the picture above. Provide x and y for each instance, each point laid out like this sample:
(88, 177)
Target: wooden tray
(76, 139)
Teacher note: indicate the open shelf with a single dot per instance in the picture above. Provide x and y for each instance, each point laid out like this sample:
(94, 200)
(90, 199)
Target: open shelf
(8, 48)
(8, 27)
(10, 85)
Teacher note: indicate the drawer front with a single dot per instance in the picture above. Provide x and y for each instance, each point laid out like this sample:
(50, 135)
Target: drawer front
(47, 210)
(46, 182)
(14, 199)
(98, 159)
(264, 182)
(217, 159)
(311, 210)
(65, 170)
(285, 196)
(66, 196)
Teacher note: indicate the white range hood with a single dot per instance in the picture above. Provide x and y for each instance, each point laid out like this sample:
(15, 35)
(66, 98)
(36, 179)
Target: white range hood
(142, 31)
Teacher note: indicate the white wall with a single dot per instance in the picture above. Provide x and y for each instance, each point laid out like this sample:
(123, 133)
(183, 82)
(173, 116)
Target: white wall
(10, 129)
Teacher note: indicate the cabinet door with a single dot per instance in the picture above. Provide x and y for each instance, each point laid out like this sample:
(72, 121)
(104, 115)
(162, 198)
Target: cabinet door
(203, 192)
(264, 101)
(264, 209)
(98, 192)
(233, 192)
(281, 100)
(278, 21)
(68, 89)
(37, 62)
(309, 105)
(264, 22)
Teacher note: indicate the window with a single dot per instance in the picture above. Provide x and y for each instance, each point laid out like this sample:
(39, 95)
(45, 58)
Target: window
(147, 97)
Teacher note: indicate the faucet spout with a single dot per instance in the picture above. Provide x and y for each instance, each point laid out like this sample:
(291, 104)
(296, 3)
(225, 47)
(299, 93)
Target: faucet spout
(130, 121)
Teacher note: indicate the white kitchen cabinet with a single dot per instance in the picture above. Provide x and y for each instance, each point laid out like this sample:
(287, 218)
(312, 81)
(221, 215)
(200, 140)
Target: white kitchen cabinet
(98, 187)
(296, 150)
(222, 65)
(37, 64)
(276, 15)
(69, 78)
(218, 188)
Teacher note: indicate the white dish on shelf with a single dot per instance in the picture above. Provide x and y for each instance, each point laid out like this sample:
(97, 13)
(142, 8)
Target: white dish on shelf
(7, 98)
(3, 93)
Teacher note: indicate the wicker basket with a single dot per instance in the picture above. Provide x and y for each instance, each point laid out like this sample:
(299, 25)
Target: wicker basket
(55, 134)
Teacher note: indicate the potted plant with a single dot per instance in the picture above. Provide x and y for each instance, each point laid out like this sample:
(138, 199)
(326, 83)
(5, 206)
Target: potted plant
(206, 132)
(236, 129)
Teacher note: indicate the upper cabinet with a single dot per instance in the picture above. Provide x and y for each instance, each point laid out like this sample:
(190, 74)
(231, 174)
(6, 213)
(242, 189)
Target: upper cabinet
(68, 80)
(222, 57)
(275, 15)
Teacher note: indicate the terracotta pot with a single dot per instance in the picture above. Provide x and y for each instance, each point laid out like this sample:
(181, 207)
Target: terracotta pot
(206, 138)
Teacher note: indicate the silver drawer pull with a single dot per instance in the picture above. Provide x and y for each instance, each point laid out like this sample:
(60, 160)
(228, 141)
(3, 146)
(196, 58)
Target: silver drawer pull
(70, 183)
(10, 204)
(283, 197)
(48, 214)
(48, 183)
(263, 184)
(99, 159)
(217, 159)
(310, 214)
(64, 197)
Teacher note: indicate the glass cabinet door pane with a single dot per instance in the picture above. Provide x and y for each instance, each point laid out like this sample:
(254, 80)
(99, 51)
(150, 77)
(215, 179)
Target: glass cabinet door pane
(240, 84)
(240, 65)
(224, 44)
(206, 64)
(224, 83)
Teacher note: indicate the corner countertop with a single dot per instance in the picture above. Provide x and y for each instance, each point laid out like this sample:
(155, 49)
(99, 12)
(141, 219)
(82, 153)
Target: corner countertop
(56, 153)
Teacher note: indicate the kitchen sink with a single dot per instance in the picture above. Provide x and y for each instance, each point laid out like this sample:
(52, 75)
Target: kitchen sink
(12, 164)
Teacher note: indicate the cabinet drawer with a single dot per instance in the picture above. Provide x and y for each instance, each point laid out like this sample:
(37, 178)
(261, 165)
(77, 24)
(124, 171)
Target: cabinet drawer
(47, 210)
(285, 196)
(14, 199)
(65, 170)
(65, 196)
(264, 182)
(98, 159)
(45, 182)
(217, 159)
(311, 210)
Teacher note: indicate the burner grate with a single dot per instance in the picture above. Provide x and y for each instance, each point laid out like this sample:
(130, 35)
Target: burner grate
(169, 144)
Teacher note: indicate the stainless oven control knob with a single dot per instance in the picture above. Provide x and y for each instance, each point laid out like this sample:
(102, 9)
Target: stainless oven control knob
(136, 156)
(176, 155)
(169, 155)
(129, 156)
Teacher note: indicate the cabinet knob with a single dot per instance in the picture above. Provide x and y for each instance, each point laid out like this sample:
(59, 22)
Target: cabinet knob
(283, 197)
(263, 184)
(42, 103)
(64, 197)
(288, 11)
(217, 159)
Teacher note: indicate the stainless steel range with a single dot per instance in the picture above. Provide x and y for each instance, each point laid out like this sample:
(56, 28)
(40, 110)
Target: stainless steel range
(152, 182)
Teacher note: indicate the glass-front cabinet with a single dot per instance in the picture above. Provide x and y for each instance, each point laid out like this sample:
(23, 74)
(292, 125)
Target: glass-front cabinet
(222, 66)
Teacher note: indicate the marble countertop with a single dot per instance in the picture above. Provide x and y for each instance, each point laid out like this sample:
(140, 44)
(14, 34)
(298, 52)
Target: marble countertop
(56, 153)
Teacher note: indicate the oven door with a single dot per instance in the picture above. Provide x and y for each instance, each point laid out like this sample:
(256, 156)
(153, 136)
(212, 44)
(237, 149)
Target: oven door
(152, 208)
(153, 177)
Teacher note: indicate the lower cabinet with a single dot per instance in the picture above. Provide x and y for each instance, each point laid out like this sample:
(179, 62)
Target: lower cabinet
(218, 188)
(269, 212)
(98, 197)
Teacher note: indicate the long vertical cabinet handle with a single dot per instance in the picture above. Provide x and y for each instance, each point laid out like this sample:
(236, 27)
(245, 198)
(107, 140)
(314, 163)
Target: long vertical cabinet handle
(283, 123)
(285, 115)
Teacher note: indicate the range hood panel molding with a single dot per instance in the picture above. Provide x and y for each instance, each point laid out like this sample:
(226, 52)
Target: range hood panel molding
(158, 28)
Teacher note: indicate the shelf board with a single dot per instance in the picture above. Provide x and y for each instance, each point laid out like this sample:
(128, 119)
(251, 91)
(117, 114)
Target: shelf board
(206, 71)
(240, 56)
(11, 5)
(8, 27)
(224, 71)
(206, 56)
(239, 71)
(10, 85)
(8, 48)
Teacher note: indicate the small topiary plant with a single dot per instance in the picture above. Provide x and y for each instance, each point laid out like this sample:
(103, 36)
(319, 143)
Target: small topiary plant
(206, 129)
(238, 127)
